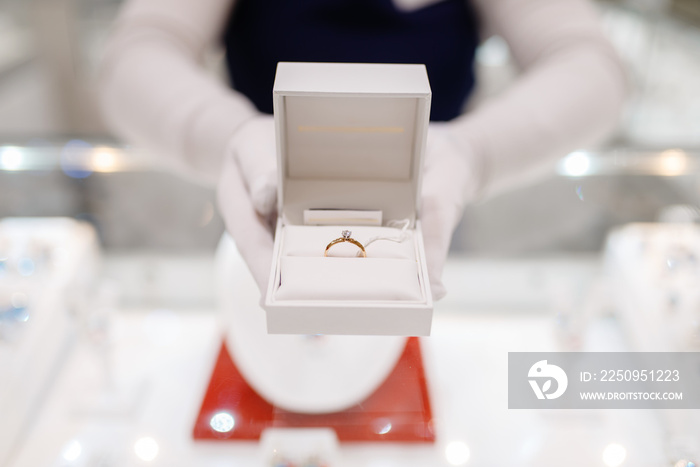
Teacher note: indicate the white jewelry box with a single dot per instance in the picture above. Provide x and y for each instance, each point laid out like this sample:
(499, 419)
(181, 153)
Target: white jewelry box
(349, 137)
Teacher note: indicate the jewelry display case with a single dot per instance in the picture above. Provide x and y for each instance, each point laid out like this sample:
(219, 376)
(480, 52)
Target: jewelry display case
(47, 268)
(601, 255)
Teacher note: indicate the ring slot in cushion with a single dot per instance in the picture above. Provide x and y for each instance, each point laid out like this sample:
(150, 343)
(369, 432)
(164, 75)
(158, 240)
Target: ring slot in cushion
(311, 241)
(319, 278)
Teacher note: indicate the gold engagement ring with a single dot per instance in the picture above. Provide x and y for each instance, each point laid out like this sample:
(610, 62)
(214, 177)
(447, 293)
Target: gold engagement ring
(346, 237)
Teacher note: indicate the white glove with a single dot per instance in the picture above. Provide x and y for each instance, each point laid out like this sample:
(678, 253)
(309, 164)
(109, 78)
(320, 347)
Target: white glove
(253, 147)
(247, 194)
(449, 182)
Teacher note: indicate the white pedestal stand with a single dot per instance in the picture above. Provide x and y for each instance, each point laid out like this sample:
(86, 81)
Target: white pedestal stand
(299, 373)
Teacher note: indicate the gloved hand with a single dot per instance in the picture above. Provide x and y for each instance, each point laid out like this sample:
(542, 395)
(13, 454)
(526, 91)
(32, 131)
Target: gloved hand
(450, 181)
(247, 194)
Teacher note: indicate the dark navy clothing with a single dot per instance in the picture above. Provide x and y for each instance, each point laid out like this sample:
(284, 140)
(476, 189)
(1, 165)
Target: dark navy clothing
(443, 36)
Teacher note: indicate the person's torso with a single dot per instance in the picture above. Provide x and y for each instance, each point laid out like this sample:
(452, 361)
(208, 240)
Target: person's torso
(442, 35)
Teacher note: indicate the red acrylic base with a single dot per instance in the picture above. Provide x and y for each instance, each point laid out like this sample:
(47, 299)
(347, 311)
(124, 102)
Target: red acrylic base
(399, 410)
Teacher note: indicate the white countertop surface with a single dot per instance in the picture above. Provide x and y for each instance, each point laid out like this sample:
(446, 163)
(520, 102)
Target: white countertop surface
(161, 360)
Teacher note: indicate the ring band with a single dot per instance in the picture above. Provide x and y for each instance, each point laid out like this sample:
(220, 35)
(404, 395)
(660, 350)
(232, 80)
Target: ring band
(345, 237)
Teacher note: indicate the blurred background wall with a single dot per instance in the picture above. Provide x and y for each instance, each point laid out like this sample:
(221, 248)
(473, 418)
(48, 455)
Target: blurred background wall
(57, 157)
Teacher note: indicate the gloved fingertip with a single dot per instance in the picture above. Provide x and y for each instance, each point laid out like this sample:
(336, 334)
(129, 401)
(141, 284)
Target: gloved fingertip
(263, 195)
(438, 291)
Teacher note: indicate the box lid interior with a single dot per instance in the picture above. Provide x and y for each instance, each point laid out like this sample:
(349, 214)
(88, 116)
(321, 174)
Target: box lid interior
(350, 136)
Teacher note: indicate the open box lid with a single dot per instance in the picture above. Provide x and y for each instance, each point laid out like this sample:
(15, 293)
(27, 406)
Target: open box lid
(350, 136)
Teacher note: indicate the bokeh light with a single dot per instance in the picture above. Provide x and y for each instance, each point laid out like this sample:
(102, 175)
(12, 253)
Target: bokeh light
(72, 451)
(11, 158)
(381, 426)
(457, 453)
(493, 52)
(576, 164)
(614, 455)
(146, 448)
(19, 300)
(222, 422)
(75, 157)
(104, 159)
(673, 162)
(684, 463)
(25, 266)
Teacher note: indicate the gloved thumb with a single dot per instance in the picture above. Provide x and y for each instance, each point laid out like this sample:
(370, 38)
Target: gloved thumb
(253, 147)
(250, 230)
